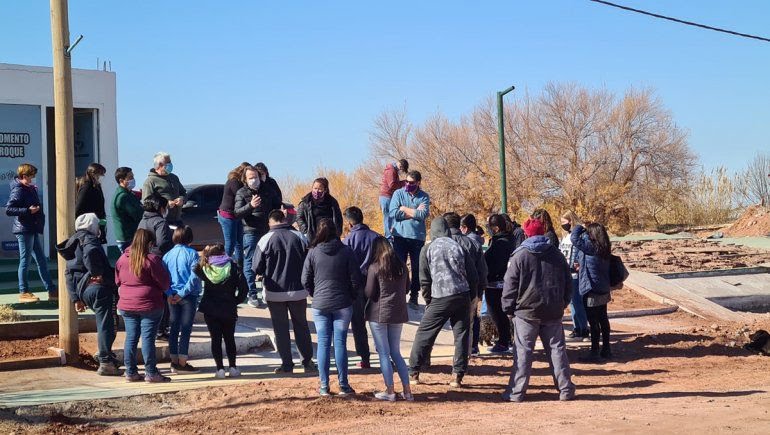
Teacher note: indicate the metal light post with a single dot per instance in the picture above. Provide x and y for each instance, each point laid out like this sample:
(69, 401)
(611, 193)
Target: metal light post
(501, 139)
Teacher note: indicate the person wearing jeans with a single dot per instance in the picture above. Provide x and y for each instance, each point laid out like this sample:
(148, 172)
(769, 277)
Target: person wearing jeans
(386, 312)
(389, 184)
(29, 220)
(333, 278)
(332, 327)
(142, 279)
(409, 208)
(232, 227)
(144, 325)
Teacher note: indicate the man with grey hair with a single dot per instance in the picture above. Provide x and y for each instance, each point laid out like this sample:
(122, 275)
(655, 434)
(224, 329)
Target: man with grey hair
(162, 182)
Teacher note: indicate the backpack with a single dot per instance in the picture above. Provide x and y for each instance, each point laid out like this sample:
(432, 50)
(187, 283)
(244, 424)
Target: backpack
(618, 272)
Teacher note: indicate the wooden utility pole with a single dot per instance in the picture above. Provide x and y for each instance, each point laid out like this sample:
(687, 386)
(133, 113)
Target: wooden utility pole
(65, 167)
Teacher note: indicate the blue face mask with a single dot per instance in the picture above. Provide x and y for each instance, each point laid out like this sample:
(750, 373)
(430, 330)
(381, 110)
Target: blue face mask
(169, 167)
(131, 184)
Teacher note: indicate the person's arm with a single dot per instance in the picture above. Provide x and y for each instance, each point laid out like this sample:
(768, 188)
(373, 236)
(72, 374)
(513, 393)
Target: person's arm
(278, 192)
(372, 289)
(471, 274)
(392, 179)
(356, 279)
(243, 285)
(242, 204)
(193, 282)
(163, 236)
(567, 285)
(337, 215)
(81, 201)
(395, 211)
(14, 206)
(483, 271)
(159, 273)
(94, 259)
(511, 287)
(308, 277)
(580, 240)
(426, 280)
(423, 210)
(182, 191)
(518, 237)
(259, 263)
(301, 221)
(133, 207)
(147, 189)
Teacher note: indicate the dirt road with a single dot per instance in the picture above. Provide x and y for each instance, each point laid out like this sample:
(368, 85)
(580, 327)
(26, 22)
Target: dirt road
(672, 373)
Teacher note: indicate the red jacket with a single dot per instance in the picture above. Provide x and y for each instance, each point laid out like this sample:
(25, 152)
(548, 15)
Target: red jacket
(390, 182)
(145, 292)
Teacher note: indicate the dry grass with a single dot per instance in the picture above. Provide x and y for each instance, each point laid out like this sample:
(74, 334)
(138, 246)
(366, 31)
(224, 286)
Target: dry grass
(8, 314)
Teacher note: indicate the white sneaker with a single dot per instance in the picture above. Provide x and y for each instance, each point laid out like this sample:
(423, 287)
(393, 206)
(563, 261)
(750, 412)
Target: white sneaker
(383, 395)
(220, 374)
(234, 372)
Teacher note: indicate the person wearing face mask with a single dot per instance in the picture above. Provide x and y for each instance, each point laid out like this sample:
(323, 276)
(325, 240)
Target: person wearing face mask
(29, 220)
(154, 220)
(90, 197)
(127, 210)
(253, 204)
(162, 182)
(317, 205)
(580, 330)
(409, 208)
(264, 176)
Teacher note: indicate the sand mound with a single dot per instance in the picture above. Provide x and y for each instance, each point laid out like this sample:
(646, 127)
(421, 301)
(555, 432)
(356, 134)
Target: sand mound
(755, 221)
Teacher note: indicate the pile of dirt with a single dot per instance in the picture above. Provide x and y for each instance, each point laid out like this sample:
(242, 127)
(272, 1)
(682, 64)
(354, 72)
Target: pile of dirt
(686, 255)
(754, 222)
(16, 349)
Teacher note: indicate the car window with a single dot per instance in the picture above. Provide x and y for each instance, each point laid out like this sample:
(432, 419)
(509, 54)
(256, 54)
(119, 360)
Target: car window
(212, 197)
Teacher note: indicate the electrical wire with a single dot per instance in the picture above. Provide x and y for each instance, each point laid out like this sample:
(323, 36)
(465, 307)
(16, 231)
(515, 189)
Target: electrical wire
(676, 20)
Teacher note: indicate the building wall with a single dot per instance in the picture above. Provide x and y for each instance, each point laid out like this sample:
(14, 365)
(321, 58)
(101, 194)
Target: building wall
(91, 89)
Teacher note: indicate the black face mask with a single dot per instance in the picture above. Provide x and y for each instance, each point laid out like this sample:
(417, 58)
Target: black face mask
(566, 227)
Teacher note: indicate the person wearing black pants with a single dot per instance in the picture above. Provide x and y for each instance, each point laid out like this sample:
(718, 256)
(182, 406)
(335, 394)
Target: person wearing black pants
(501, 246)
(598, 322)
(455, 309)
(279, 314)
(222, 328)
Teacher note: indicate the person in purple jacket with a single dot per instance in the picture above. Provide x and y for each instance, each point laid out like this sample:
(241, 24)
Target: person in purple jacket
(361, 240)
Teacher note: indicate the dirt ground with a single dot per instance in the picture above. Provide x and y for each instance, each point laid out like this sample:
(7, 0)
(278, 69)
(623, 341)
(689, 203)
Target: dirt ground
(755, 221)
(684, 255)
(687, 375)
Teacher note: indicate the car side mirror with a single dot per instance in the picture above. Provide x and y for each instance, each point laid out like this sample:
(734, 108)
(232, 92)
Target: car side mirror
(190, 204)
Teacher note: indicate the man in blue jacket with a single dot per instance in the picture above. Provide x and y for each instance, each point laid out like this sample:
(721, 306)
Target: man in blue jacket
(409, 208)
(360, 240)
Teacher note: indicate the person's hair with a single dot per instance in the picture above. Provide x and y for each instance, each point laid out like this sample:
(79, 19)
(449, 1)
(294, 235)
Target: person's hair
(497, 220)
(600, 239)
(391, 267)
(160, 159)
(325, 232)
(122, 173)
(354, 215)
(245, 170)
(210, 251)
(93, 171)
(452, 220)
(479, 231)
(415, 175)
(182, 235)
(26, 170)
(323, 181)
(543, 216)
(154, 203)
(237, 172)
(571, 217)
(276, 215)
(469, 221)
(509, 225)
(140, 248)
(261, 167)
(404, 165)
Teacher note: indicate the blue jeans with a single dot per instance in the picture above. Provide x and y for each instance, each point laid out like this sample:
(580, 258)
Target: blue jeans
(29, 246)
(387, 222)
(99, 298)
(577, 309)
(387, 338)
(410, 248)
(330, 324)
(181, 317)
(250, 241)
(232, 229)
(142, 324)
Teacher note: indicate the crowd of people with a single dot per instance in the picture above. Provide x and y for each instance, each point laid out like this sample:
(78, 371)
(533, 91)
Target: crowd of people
(273, 258)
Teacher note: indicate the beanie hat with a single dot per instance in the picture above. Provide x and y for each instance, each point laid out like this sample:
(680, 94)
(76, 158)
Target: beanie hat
(88, 222)
(533, 227)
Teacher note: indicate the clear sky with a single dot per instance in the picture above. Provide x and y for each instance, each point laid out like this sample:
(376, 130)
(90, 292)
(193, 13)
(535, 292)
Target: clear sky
(297, 83)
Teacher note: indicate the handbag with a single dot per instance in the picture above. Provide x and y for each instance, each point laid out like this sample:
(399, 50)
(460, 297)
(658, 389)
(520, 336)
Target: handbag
(618, 272)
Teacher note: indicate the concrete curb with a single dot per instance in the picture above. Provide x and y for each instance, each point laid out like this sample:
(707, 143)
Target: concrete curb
(40, 328)
(39, 362)
(636, 313)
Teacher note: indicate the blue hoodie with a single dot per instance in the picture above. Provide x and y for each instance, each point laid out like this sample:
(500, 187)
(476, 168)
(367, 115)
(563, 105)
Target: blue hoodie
(180, 262)
(361, 240)
(537, 285)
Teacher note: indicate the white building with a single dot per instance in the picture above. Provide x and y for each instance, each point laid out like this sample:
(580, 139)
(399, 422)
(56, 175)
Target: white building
(27, 136)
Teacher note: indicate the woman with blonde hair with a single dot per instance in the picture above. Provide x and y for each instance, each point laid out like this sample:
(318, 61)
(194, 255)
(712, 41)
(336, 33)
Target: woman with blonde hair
(142, 280)
(580, 329)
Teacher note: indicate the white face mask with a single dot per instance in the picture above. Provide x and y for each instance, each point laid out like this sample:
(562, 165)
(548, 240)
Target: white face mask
(131, 184)
(253, 183)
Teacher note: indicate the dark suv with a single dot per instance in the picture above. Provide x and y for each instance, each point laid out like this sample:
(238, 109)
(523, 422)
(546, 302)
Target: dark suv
(200, 213)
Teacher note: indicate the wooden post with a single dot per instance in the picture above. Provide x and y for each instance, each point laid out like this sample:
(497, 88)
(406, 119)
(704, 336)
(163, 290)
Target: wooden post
(65, 167)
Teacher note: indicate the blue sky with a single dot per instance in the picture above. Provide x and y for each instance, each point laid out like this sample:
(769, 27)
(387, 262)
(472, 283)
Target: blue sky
(297, 84)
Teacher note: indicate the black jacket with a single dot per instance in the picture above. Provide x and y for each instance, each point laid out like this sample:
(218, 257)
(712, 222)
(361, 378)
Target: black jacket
(279, 257)
(332, 276)
(306, 219)
(228, 195)
(85, 258)
(538, 283)
(255, 218)
(154, 223)
(501, 246)
(273, 185)
(221, 300)
(476, 254)
(90, 200)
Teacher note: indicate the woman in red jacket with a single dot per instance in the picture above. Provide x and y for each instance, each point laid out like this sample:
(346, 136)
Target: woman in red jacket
(141, 278)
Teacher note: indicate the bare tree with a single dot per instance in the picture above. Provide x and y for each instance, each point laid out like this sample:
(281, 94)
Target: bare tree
(754, 182)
